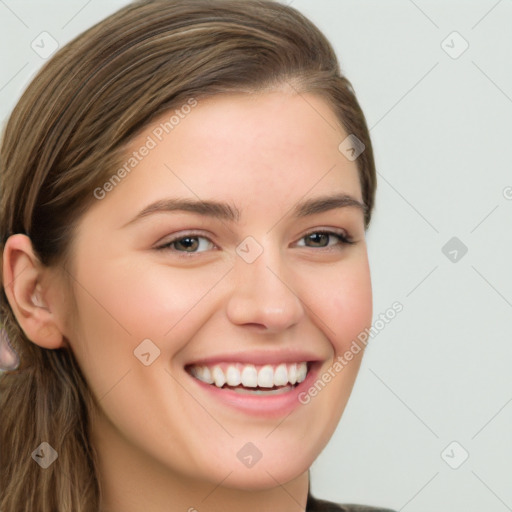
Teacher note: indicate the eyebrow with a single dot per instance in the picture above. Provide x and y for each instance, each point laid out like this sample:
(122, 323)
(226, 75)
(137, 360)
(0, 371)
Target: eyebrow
(224, 211)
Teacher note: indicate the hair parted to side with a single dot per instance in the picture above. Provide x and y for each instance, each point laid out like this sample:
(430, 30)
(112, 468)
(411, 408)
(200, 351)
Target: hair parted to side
(64, 138)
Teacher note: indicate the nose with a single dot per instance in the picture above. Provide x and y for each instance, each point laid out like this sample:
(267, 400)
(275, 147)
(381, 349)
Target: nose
(263, 295)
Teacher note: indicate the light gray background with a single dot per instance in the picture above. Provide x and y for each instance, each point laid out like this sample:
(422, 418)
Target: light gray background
(442, 128)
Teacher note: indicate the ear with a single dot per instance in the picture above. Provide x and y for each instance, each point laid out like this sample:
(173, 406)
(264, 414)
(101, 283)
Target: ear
(24, 279)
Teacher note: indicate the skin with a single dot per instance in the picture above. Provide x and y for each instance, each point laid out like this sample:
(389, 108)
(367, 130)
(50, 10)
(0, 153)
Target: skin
(162, 444)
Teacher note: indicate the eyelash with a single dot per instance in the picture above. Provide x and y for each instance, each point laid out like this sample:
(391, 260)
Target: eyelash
(342, 237)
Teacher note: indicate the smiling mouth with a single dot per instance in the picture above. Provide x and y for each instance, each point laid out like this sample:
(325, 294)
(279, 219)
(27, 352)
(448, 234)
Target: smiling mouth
(251, 378)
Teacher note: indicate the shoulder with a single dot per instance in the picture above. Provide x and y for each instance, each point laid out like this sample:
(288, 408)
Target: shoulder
(316, 505)
(363, 508)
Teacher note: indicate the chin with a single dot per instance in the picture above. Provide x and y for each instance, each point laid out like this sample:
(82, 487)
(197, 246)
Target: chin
(265, 478)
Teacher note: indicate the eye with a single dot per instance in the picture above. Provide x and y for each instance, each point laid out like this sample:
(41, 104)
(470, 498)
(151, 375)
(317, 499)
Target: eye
(323, 238)
(188, 243)
(193, 243)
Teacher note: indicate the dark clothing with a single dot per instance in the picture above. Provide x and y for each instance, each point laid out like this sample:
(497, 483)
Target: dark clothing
(316, 505)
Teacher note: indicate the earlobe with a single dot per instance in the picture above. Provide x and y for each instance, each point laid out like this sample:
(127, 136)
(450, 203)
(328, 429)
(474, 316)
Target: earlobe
(24, 278)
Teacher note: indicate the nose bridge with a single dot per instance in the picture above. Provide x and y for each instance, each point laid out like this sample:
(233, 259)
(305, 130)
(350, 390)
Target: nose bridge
(261, 293)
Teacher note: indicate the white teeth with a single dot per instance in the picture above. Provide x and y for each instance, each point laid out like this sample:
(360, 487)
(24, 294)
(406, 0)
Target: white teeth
(250, 376)
(202, 373)
(233, 376)
(267, 376)
(279, 391)
(292, 373)
(281, 375)
(302, 371)
(207, 375)
(218, 377)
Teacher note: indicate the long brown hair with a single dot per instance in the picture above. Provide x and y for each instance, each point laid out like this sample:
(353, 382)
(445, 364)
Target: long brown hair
(66, 136)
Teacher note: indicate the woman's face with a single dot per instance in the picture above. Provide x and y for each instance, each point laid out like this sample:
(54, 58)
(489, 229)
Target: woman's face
(236, 283)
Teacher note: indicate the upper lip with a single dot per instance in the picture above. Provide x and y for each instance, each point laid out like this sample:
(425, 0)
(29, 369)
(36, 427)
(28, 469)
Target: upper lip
(258, 357)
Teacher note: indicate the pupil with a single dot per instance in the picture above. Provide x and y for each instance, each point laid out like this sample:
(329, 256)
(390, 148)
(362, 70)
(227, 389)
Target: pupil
(315, 237)
(187, 245)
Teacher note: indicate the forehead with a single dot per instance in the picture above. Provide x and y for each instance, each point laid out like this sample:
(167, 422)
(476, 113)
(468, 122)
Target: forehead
(255, 151)
(250, 137)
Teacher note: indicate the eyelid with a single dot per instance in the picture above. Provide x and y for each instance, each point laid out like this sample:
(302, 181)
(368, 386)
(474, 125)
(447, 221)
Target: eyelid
(342, 233)
(343, 236)
(180, 235)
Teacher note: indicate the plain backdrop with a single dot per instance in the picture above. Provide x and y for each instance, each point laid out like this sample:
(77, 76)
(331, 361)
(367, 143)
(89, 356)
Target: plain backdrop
(429, 423)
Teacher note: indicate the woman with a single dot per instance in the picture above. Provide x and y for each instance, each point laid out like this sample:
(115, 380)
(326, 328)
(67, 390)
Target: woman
(185, 193)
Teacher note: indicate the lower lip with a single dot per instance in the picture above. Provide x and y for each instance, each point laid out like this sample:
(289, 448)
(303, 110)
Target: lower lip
(268, 406)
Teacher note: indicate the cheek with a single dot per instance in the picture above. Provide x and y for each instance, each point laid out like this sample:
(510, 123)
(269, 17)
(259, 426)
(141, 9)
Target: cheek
(345, 310)
(159, 300)
(125, 303)
(347, 304)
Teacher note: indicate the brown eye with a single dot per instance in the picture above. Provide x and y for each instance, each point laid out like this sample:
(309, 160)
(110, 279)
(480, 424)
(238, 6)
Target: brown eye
(322, 239)
(318, 239)
(190, 243)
